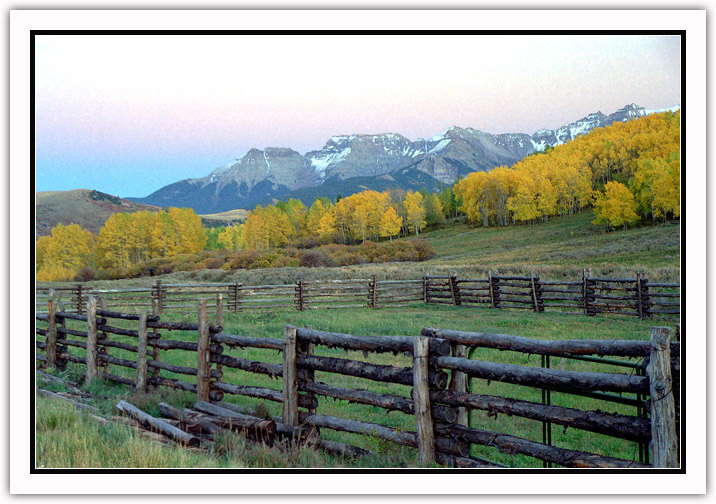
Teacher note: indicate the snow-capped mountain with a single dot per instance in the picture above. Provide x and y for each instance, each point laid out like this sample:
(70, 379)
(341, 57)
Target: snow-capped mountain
(261, 176)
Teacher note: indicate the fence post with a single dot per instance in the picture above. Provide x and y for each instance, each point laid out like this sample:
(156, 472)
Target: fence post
(306, 375)
(220, 310)
(534, 292)
(589, 293)
(61, 363)
(421, 399)
(79, 299)
(645, 299)
(155, 336)
(426, 298)
(203, 365)
(664, 444)
(157, 294)
(51, 338)
(458, 382)
(454, 290)
(142, 353)
(299, 295)
(494, 290)
(102, 336)
(290, 384)
(92, 356)
(639, 307)
(371, 292)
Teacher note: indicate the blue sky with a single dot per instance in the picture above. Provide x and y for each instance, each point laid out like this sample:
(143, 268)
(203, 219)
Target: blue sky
(128, 115)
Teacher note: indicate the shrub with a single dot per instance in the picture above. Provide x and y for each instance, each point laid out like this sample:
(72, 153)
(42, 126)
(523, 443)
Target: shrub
(85, 275)
(312, 258)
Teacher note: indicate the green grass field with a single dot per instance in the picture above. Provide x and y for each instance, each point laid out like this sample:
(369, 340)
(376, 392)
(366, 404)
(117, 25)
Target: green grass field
(395, 321)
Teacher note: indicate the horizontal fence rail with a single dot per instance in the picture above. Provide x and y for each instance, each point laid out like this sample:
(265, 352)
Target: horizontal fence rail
(588, 295)
(431, 381)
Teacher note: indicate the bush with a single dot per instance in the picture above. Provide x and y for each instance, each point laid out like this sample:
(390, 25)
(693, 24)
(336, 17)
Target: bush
(85, 275)
(312, 258)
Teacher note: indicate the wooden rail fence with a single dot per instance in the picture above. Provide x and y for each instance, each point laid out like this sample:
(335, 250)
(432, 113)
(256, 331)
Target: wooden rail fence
(436, 382)
(588, 295)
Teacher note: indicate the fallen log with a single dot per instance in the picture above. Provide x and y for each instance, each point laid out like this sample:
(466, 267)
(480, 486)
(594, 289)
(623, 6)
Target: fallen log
(157, 424)
(252, 426)
(561, 456)
(77, 404)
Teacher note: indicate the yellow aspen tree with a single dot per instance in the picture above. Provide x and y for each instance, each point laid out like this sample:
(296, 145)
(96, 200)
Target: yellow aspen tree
(390, 223)
(415, 211)
(615, 206)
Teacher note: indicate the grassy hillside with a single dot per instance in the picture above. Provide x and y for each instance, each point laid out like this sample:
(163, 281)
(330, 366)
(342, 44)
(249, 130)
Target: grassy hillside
(90, 209)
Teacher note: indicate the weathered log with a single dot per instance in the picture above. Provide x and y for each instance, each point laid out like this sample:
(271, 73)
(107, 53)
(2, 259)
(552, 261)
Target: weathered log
(623, 348)
(254, 427)
(92, 354)
(665, 445)
(421, 400)
(203, 357)
(376, 372)
(157, 424)
(190, 420)
(389, 402)
(142, 365)
(247, 341)
(267, 368)
(442, 444)
(77, 404)
(541, 377)
(117, 330)
(262, 393)
(172, 383)
(171, 344)
(389, 344)
(125, 316)
(611, 424)
(561, 456)
(72, 316)
(463, 462)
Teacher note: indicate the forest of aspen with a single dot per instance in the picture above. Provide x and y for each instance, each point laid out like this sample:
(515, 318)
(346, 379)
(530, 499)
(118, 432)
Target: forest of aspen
(627, 174)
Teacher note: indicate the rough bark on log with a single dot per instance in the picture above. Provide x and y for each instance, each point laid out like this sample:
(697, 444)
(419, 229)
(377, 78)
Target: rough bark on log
(254, 427)
(421, 400)
(267, 368)
(540, 377)
(610, 424)
(376, 372)
(665, 445)
(388, 344)
(247, 341)
(387, 401)
(157, 424)
(622, 348)
(442, 444)
(561, 456)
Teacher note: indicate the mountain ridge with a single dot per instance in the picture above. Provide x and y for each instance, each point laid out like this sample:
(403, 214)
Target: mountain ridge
(263, 176)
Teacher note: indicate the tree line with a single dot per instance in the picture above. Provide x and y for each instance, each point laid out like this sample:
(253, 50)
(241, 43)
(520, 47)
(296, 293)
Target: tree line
(625, 172)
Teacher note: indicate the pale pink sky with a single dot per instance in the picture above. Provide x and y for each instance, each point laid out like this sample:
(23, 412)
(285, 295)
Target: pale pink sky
(113, 108)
